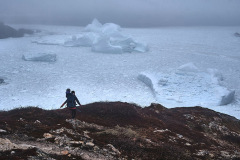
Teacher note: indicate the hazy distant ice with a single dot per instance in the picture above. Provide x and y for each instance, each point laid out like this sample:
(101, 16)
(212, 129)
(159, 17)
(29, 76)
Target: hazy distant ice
(103, 38)
(115, 77)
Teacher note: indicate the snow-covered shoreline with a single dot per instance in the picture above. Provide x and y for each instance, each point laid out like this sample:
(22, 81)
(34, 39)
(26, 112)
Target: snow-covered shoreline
(113, 77)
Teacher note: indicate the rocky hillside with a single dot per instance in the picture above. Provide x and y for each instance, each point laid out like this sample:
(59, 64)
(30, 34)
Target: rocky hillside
(7, 31)
(116, 130)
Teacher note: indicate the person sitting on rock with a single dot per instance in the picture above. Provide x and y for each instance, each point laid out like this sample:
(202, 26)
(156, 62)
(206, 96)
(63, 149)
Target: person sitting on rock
(71, 102)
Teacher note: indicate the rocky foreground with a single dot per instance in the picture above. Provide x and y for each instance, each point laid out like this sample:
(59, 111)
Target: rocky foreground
(115, 130)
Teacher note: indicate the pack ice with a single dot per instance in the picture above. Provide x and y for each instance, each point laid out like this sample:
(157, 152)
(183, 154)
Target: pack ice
(104, 38)
(187, 86)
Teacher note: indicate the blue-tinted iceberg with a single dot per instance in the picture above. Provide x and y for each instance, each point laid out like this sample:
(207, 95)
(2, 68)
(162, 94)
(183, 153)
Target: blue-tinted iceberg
(40, 57)
(103, 45)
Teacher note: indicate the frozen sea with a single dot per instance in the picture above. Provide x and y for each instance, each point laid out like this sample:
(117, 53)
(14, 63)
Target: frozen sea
(119, 77)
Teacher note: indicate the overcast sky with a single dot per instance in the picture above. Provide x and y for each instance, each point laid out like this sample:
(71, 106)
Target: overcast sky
(126, 13)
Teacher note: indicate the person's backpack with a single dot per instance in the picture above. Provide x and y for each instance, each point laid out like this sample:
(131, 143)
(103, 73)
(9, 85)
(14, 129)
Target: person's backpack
(70, 100)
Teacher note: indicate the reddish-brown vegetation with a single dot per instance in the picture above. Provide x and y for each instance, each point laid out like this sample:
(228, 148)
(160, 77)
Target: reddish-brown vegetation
(153, 132)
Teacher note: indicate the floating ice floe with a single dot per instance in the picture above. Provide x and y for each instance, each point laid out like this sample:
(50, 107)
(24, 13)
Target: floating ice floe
(95, 26)
(187, 86)
(40, 57)
(104, 38)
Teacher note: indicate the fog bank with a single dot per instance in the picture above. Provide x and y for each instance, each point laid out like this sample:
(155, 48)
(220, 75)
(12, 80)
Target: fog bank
(134, 13)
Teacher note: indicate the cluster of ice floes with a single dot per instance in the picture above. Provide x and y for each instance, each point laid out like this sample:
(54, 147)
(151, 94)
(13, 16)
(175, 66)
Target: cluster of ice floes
(40, 57)
(187, 86)
(104, 38)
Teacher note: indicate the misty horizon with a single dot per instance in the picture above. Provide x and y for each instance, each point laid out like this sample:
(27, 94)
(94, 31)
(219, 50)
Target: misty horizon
(134, 13)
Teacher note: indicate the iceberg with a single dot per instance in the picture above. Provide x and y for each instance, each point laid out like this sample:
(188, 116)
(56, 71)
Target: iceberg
(111, 40)
(40, 57)
(95, 26)
(106, 38)
(103, 45)
(227, 98)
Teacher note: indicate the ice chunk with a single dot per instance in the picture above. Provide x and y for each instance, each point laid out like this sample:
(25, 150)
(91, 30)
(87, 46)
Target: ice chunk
(95, 26)
(107, 28)
(147, 79)
(123, 44)
(41, 57)
(141, 47)
(227, 98)
(103, 45)
(111, 29)
(127, 44)
(216, 75)
(189, 67)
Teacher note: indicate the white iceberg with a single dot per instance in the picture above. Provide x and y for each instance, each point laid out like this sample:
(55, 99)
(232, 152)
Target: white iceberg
(111, 29)
(227, 98)
(103, 45)
(107, 28)
(40, 57)
(106, 38)
(95, 26)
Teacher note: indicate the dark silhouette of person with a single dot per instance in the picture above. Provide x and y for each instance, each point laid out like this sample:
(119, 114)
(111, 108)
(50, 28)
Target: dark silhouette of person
(71, 101)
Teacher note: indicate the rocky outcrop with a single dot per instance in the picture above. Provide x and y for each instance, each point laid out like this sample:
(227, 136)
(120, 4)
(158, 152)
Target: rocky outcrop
(1, 80)
(7, 31)
(116, 130)
(237, 34)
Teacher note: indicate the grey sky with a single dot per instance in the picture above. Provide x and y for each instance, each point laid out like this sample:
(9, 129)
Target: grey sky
(127, 13)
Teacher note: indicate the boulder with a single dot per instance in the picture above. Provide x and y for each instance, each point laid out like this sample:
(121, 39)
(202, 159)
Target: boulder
(7, 31)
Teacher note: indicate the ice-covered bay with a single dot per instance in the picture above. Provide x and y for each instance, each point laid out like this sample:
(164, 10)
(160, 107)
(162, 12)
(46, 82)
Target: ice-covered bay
(114, 77)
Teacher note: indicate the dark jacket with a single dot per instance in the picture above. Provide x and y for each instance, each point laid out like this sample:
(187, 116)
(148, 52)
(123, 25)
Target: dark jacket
(71, 100)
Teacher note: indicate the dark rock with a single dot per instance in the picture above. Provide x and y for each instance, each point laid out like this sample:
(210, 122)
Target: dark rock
(7, 31)
(237, 34)
(23, 31)
(1, 80)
